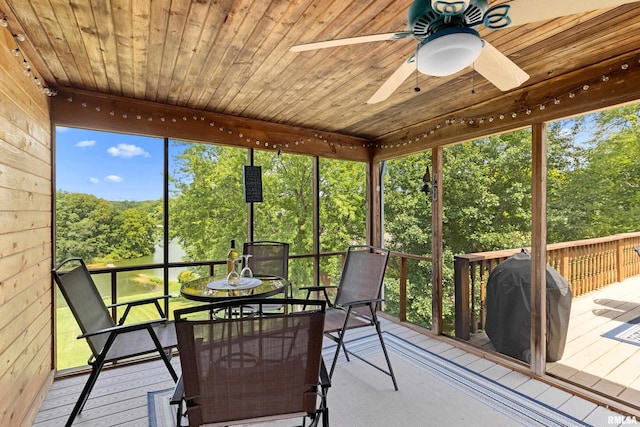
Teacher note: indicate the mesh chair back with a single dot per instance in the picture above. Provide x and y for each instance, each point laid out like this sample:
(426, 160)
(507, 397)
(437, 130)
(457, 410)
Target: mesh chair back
(268, 258)
(248, 368)
(86, 304)
(362, 274)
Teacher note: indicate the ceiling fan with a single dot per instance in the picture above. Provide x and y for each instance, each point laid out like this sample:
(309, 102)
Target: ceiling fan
(449, 43)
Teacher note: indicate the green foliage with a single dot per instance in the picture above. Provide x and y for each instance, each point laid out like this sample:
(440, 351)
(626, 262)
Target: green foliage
(593, 178)
(186, 276)
(286, 213)
(599, 194)
(342, 204)
(487, 193)
(207, 207)
(95, 229)
(593, 182)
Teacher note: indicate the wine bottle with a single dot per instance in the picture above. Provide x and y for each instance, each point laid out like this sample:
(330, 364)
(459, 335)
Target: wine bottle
(231, 256)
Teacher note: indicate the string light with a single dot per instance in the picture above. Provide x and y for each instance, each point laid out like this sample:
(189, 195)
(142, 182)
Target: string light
(529, 110)
(17, 52)
(474, 121)
(229, 131)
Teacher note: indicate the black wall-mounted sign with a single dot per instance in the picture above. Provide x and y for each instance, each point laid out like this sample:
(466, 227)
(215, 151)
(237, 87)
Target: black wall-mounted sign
(252, 177)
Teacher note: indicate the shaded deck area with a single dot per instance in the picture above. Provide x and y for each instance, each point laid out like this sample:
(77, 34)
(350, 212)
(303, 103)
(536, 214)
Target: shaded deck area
(590, 358)
(440, 384)
(594, 360)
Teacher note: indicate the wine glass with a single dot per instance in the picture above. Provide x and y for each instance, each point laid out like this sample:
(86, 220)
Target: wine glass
(233, 277)
(246, 271)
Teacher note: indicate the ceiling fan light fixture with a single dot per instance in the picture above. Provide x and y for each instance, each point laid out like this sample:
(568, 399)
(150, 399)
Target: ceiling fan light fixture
(448, 51)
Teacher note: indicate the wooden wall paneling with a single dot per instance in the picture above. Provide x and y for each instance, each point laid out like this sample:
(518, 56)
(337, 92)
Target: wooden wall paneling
(26, 357)
(26, 339)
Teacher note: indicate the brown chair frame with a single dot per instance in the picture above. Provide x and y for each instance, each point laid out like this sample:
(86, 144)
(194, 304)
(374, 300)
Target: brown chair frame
(252, 368)
(108, 341)
(357, 298)
(269, 258)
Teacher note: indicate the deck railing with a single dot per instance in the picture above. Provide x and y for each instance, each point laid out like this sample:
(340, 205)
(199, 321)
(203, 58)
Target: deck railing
(115, 293)
(587, 264)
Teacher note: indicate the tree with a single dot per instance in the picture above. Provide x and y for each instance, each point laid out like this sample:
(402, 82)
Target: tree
(84, 226)
(95, 229)
(137, 237)
(206, 208)
(286, 211)
(407, 212)
(599, 195)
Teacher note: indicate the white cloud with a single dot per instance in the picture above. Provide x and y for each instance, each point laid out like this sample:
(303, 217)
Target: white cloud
(114, 178)
(94, 180)
(62, 129)
(86, 143)
(126, 151)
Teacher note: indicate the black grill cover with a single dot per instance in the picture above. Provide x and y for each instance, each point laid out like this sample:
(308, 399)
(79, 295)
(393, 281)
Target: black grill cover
(508, 323)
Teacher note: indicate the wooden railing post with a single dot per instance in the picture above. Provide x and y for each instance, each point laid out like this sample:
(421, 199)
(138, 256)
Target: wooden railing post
(403, 289)
(621, 274)
(563, 263)
(462, 302)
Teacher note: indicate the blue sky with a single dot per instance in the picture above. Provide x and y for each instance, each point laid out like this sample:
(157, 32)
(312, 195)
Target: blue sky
(111, 166)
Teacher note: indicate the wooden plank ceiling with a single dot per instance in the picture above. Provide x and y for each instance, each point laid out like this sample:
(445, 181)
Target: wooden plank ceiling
(232, 57)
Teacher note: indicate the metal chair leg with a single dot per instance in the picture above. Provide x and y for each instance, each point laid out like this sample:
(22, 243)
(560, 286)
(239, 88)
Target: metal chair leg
(86, 390)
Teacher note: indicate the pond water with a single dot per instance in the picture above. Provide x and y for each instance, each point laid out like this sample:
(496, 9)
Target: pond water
(137, 282)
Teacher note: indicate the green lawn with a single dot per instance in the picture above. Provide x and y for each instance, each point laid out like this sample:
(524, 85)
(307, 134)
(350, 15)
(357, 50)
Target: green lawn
(73, 352)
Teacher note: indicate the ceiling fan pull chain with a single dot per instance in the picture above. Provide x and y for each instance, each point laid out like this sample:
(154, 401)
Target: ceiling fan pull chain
(417, 88)
(473, 79)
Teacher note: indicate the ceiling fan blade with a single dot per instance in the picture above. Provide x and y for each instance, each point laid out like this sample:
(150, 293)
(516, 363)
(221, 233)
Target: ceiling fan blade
(351, 40)
(393, 82)
(525, 11)
(494, 66)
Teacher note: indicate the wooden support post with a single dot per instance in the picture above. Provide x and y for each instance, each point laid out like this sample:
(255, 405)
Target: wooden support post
(539, 249)
(461, 278)
(403, 289)
(436, 241)
(374, 215)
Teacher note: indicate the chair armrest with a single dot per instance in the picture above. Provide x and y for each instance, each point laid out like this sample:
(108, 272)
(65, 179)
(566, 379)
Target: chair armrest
(361, 303)
(322, 289)
(325, 380)
(316, 288)
(178, 392)
(144, 301)
(123, 328)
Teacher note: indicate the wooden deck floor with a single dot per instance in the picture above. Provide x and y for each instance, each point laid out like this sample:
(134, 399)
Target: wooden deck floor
(603, 364)
(591, 360)
(120, 395)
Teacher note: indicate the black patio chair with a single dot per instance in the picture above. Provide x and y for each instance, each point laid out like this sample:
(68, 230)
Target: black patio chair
(357, 298)
(108, 341)
(269, 259)
(253, 368)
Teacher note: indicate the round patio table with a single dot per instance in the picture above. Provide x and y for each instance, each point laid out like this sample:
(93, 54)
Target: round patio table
(211, 289)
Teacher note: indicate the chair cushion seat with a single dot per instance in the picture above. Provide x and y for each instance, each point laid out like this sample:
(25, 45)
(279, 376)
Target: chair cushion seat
(140, 342)
(334, 320)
